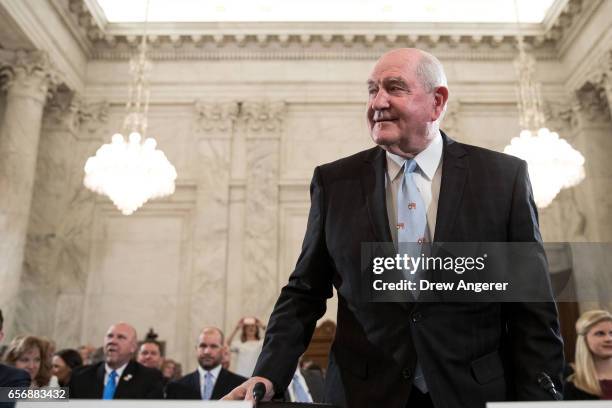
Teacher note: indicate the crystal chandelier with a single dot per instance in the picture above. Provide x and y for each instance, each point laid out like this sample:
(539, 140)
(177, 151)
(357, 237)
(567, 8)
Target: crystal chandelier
(553, 163)
(132, 172)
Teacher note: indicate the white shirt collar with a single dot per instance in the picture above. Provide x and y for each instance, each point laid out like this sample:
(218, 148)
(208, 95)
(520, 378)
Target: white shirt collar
(118, 370)
(428, 160)
(214, 372)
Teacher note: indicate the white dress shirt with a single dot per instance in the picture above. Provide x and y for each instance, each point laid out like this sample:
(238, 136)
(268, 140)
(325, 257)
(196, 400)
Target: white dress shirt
(214, 373)
(119, 371)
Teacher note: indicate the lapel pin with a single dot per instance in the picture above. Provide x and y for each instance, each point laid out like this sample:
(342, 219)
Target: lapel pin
(127, 377)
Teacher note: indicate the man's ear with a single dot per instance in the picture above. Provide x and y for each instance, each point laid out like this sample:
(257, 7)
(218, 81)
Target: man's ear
(440, 99)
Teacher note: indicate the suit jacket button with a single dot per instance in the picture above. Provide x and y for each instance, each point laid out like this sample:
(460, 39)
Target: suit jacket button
(416, 316)
(406, 373)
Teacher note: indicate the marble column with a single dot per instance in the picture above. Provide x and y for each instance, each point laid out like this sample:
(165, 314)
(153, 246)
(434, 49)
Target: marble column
(260, 252)
(54, 271)
(214, 129)
(592, 123)
(84, 126)
(28, 79)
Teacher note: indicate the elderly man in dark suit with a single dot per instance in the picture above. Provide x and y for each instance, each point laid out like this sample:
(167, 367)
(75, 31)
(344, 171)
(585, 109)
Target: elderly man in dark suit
(118, 377)
(417, 185)
(210, 381)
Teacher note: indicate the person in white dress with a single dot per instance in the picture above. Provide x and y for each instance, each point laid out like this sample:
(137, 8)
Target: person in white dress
(247, 347)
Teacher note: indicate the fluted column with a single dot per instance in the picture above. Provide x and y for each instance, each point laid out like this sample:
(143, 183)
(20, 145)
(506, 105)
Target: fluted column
(263, 135)
(28, 79)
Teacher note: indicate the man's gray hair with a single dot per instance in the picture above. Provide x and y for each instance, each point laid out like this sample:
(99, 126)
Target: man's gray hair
(430, 72)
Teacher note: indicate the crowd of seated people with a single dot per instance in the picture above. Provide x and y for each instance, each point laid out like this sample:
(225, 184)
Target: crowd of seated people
(124, 369)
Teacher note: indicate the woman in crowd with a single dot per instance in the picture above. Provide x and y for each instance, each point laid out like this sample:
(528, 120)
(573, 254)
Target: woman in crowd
(247, 347)
(170, 370)
(30, 354)
(592, 377)
(62, 364)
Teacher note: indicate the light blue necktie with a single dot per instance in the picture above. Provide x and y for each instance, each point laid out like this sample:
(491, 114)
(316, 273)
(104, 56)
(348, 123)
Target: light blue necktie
(411, 228)
(411, 213)
(299, 392)
(110, 386)
(208, 386)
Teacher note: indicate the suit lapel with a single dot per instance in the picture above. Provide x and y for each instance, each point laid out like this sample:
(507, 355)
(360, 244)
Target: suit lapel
(219, 386)
(454, 175)
(194, 383)
(99, 384)
(373, 184)
(126, 377)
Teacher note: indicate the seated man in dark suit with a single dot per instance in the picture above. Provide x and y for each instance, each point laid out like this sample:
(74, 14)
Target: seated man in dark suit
(210, 381)
(306, 386)
(117, 377)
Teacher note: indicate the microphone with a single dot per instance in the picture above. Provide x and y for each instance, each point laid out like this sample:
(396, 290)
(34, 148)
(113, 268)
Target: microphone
(547, 385)
(259, 390)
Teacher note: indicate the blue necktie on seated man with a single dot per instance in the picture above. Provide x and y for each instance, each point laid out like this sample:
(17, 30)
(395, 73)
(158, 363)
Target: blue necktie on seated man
(110, 386)
(299, 392)
(207, 388)
(411, 234)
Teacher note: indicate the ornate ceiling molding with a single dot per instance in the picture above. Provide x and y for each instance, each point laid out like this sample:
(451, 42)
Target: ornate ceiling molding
(210, 41)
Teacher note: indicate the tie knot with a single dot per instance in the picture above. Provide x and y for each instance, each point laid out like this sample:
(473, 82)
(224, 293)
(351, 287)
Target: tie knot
(410, 166)
(113, 374)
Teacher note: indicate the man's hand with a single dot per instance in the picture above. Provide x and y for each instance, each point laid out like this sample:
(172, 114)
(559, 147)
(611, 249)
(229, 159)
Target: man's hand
(245, 390)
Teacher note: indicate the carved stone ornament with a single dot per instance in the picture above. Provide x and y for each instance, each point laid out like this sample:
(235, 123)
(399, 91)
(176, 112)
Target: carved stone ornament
(264, 116)
(451, 121)
(66, 110)
(592, 103)
(31, 73)
(216, 116)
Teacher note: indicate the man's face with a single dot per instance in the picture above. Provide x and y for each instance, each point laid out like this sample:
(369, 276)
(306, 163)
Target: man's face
(149, 355)
(400, 110)
(119, 344)
(209, 350)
